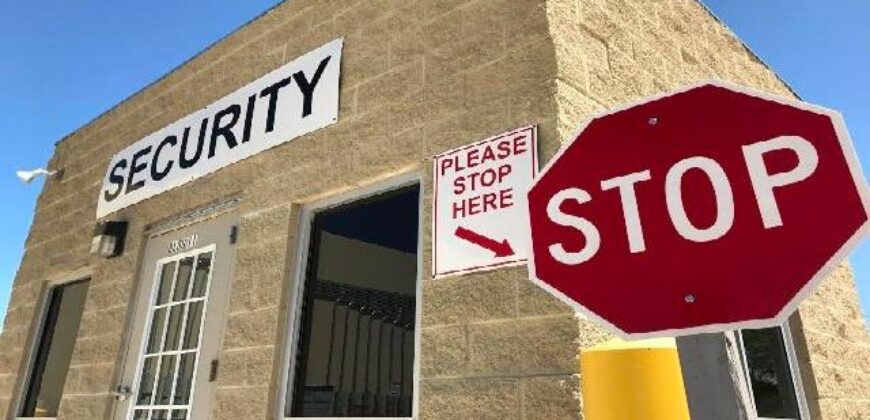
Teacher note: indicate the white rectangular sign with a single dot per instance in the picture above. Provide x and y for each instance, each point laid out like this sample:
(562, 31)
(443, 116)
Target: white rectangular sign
(297, 98)
(480, 214)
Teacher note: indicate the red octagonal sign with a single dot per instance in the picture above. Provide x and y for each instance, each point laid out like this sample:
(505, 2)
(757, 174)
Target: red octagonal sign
(707, 209)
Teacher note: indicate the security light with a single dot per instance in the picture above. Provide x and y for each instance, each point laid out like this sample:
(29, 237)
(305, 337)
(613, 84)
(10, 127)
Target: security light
(28, 176)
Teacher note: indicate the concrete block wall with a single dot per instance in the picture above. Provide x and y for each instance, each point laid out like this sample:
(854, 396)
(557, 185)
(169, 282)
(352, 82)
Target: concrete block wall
(418, 77)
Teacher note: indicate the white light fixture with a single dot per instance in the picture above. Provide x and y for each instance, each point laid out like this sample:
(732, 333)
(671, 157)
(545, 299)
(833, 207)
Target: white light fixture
(28, 176)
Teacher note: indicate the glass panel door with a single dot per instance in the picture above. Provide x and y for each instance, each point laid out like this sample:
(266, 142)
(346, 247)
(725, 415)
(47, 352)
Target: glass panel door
(170, 355)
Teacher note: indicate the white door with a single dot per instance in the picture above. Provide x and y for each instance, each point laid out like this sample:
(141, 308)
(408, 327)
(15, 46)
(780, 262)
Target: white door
(172, 358)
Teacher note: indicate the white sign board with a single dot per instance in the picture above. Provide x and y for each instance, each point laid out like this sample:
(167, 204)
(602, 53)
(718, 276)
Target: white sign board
(297, 98)
(480, 214)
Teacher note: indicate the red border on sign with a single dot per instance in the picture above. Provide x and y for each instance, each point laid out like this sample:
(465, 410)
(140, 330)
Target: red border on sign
(533, 129)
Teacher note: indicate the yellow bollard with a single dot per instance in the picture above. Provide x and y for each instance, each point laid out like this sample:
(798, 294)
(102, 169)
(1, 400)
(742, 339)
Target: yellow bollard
(634, 380)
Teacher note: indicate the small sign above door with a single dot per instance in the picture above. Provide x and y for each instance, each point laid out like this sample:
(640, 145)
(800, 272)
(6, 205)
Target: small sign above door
(480, 215)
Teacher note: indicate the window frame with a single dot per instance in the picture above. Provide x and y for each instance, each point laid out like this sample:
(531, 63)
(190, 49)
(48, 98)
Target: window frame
(298, 277)
(794, 371)
(35, 337)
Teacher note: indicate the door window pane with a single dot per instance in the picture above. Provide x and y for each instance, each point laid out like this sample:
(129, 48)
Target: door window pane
(146, 385)
(166, 379)
(356, 352)
(156, 330)
(770, 374)
(167, 273)
(200, 281)
(191, 329)
(173, 329)
(54, 350)
(183, 281)
(185, 379)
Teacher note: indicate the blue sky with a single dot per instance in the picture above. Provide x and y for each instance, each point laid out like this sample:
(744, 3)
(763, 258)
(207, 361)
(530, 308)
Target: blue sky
(821, 49)
(64, 63)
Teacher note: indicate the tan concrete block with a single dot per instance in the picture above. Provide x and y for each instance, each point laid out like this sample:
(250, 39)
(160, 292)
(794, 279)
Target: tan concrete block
(470, 298)
(250, 367)
(550, 397)
(20, 315)
(89, 379)
(534, 301)
(485, 398)
(108, 295)
(265, 225)
(98, 322)
(361, 14)
(84, 407)
(407, 44)
(484, 121)
(98, 349)
(529, 22)
(591, 334)
(10, 360)
(443, 30)
(391, 86)
(444, 351)
(7, 383)
(252, 329)
(434, 9)
(531, 346)
(839, 382)
(241, 403)
(366, 52)
(844, 408)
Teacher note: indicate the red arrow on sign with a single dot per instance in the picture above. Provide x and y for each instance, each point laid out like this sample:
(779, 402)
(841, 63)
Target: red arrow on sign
(501, 249)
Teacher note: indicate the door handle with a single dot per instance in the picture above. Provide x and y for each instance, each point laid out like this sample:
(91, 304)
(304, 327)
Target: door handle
(213, 370)
(121, 393)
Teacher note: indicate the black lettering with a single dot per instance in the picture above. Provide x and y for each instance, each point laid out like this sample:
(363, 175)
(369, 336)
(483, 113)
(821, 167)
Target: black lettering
(249, 118)
(135, 168)
(225, 131)
(307, 88)
(272, 93)
(183, 161)
(115, 179)
(156, 174)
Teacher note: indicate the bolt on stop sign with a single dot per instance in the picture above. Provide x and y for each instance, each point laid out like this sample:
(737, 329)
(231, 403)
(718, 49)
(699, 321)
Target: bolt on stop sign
(707, 209)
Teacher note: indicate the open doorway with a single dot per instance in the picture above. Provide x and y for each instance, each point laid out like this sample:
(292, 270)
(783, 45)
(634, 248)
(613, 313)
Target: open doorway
(357, 332)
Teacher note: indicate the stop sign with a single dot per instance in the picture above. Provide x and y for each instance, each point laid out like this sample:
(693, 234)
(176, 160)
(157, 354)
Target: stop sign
(707, 209)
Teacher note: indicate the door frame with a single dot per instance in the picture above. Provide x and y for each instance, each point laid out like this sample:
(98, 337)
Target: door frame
(794, 371)
(35, 334)
(298, 277)
(221, 213)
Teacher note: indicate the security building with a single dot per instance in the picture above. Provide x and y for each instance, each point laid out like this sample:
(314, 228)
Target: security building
(250, 236)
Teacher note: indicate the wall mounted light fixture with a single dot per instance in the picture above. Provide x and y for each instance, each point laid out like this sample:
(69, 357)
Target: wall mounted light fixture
(108, 238)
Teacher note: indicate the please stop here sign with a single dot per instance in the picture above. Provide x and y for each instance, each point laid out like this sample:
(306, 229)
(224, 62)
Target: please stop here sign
(703, 210)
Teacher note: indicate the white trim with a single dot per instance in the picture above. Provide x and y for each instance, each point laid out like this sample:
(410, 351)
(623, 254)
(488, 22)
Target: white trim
(797, 378)
(297, 282)
(857, 176)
